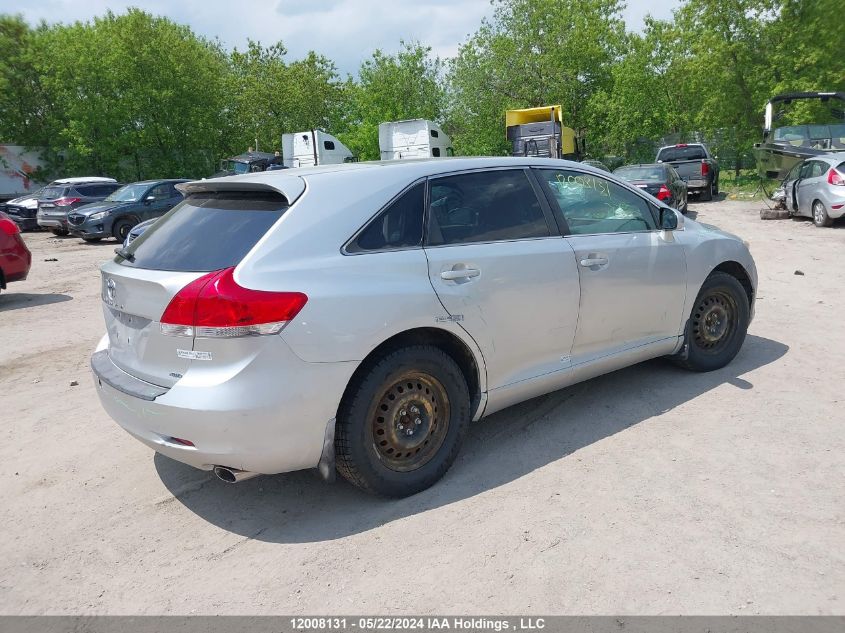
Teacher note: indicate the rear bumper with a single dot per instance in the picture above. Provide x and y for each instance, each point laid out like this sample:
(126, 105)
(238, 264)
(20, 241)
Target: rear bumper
(265, 415)
(52, 221)
(16, 261)
(696, 184)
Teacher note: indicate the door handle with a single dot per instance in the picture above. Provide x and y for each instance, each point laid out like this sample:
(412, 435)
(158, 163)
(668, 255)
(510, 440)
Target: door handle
(459, 273)
(588, 262)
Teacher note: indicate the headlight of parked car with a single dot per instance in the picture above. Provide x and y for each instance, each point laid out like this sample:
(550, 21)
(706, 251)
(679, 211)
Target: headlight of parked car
(97, 216)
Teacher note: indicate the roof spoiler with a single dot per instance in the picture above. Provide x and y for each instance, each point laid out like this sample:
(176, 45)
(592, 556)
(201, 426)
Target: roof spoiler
(291, 187)
(795, 96)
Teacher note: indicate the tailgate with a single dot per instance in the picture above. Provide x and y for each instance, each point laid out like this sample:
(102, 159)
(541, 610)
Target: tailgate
(133, 302)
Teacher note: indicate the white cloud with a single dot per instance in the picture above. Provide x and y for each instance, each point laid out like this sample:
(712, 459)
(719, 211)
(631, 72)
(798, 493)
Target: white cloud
(346, 31)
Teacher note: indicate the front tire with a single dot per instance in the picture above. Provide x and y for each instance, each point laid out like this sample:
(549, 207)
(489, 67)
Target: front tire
(121, 228)
(718, 324)
(401, 423)
(820, 217)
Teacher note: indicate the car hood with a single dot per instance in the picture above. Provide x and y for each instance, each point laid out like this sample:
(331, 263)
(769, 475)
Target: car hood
(709, 228)
(95, 207)
(25, 202)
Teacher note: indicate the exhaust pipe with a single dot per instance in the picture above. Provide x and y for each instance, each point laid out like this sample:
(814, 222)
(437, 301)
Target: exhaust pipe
(233, 475)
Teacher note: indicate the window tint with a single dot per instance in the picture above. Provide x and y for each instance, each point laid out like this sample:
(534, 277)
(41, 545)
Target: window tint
(691, 152)
(328, 144)
(805, 169)
(97, 191)
(645, 173)
(818, 169)
(594, 205)
(435, 133)
(207, 231)
(435, 151)
(161, 192)
(400, 225)
(53, 192)
(484, 207)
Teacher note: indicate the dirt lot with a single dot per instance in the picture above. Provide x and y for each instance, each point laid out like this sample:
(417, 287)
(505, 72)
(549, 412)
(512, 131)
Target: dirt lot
(648, 491)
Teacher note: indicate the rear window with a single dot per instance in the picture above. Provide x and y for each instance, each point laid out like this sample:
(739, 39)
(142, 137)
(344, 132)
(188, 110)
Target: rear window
(53, 192)
(645, 174)
(691, 152)
(207, 231)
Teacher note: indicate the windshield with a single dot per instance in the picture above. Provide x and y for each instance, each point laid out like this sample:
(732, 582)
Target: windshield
(239, 168)
(647, 174)
(682, 152)
(128, 193)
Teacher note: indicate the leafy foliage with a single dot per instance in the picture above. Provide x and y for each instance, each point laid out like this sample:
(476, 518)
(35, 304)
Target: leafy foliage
(134, 95)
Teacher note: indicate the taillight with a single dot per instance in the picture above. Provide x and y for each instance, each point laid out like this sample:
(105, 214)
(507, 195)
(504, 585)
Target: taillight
(9, 227)
(214, 306)
(835, 178)
(705, 168)
(66, 202)
(664, 193)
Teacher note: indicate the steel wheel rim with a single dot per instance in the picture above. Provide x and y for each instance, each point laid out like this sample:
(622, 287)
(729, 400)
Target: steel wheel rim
(409, 421)
(714, 321)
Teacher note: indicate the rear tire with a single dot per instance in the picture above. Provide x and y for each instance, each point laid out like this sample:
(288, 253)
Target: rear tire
(820, 217)
(707, 192)
(122, 227)
(401, 423)
(718, 324)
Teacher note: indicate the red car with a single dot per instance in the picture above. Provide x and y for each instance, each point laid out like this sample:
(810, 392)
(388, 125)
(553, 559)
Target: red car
(15, 257)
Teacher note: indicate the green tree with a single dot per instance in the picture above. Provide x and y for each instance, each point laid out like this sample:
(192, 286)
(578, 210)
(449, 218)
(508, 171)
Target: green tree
(268, 97)
(532, 53)
(407, 85)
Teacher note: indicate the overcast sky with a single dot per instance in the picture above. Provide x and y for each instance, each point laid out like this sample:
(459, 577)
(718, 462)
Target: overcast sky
(346, 31)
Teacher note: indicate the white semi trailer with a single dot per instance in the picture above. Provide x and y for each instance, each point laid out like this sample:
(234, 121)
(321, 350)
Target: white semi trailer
(414, 138)
(313, 147)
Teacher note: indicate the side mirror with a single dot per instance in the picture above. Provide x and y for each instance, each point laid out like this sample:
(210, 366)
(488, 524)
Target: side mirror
(149, 199)
(668, 219)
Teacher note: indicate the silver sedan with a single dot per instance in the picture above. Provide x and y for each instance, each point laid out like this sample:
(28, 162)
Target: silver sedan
(815, 188)
(359, 317)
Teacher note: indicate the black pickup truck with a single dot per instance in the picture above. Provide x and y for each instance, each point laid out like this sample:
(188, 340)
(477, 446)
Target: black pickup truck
(695, 165)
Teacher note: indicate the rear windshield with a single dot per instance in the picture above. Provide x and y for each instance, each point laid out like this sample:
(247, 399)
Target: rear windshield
(52, 192)
(644, 174)
(692, 152)
(207, 231)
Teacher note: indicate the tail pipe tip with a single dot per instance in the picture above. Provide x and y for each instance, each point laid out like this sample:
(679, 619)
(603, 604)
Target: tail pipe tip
(233, 475)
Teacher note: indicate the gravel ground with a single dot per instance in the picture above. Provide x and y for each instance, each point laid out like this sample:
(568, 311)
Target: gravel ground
(647, 491)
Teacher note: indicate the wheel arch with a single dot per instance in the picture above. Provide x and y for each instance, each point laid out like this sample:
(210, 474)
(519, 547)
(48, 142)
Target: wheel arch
(471, 367)
(738, 272)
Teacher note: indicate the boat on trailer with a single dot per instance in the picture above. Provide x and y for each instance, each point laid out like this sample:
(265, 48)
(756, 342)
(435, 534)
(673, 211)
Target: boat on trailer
(784, 147)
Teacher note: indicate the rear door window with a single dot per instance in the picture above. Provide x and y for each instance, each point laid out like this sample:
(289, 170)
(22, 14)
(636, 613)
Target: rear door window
(484, 207)
(207, 231)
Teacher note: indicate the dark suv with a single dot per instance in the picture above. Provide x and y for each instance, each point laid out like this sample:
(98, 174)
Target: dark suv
(118, 213)
(56, 201)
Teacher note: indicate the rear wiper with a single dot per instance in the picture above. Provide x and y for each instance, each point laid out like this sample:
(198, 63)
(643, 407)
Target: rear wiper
(121, 252)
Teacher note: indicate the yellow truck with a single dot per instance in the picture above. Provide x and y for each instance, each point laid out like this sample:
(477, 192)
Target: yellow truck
(540, 132)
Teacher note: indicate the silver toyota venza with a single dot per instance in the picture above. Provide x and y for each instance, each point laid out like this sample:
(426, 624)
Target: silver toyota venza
(359, 316)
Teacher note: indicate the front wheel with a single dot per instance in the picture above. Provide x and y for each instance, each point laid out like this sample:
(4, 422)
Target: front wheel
(121, 228)
(820, 216)
(718, 324)
(402, 422)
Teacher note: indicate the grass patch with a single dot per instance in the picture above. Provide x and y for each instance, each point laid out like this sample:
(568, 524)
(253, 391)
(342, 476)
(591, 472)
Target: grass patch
(746, 185)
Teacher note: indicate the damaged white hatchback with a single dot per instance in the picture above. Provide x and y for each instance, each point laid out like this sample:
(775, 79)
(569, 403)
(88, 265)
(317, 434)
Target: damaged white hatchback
(359, 317)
